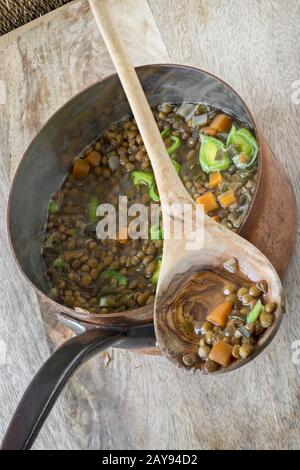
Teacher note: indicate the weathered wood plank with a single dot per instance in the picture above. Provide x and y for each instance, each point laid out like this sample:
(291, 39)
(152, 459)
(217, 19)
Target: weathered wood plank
(57, 56)
(42, 65)
(23, 346)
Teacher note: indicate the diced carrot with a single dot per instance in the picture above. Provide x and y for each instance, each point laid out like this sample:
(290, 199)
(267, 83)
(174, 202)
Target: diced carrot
(210, 131)
(221, 353)
(226, 199)
(80, 169)
(215, 178)
(244, 158)
(216, 218)
(208, 200)
(93, 158)
(221, 123)
(218, 316)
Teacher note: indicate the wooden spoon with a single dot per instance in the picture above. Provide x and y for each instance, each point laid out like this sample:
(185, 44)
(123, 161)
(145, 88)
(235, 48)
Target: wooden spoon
(218, 244)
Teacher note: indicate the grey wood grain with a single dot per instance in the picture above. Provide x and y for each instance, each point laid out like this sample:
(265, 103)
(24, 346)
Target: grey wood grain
(145, 402)
(42, 65)
(23, 346)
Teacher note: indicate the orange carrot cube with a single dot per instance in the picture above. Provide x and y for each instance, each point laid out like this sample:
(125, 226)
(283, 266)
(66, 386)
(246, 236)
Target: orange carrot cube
(221, 353)
(227, 198)
(218, 316)
(221, 123)
(208, 200)
(215, 178)
(209, 131)
(80, 169)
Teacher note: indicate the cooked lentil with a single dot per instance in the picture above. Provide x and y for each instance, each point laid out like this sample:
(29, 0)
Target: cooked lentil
(239, 332)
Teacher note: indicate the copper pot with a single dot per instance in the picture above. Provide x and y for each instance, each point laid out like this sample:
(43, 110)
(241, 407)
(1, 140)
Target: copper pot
(270, 224)
(271, 221)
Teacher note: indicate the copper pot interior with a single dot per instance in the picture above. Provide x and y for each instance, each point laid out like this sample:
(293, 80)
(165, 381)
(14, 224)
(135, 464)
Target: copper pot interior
(48, 158)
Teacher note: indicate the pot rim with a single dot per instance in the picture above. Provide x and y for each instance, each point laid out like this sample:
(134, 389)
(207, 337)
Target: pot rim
(128, 317)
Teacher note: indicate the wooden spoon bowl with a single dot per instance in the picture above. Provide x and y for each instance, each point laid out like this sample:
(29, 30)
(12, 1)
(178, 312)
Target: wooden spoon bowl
(219, 246)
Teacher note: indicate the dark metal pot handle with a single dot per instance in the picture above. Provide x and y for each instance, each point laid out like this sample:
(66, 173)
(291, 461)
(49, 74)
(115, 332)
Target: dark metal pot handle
(47, 384)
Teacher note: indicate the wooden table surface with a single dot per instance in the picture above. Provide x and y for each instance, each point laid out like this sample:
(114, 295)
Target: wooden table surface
(137, 401)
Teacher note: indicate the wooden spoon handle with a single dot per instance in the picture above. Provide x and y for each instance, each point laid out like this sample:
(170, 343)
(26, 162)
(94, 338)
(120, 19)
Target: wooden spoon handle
(168, 183)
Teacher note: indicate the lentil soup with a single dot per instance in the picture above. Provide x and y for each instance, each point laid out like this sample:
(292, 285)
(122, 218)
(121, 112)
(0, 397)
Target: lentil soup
(214, 154)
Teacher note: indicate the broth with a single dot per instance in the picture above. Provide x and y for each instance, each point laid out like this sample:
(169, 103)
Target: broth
(214, 155)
